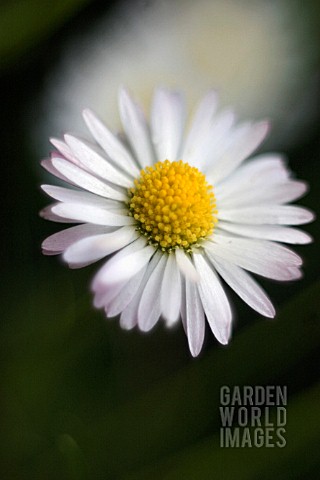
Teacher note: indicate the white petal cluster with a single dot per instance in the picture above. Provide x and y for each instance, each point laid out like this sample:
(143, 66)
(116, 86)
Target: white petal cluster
(141, 282)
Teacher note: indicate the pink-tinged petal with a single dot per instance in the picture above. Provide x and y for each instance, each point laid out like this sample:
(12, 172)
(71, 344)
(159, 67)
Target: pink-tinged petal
(295, 273)
(78, 196)
(244, 285)
(167, 123)
(64, 149)
(171, 291)
(59, 241)
(48, 214)
(136, 129)
(48, 166)
(257, 248)
(262, 257)
(95, 163)
(88, 250)
(267, 214)
(91, 214)
(86, 181)
(214, 300)
(105, 295)
(267, 232)
(195, 320)
(118, 153)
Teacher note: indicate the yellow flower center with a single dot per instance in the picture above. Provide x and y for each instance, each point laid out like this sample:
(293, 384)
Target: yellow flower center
(173, 205)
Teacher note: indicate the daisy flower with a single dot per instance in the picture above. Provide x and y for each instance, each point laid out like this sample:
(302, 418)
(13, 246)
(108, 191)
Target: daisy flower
(177, 212)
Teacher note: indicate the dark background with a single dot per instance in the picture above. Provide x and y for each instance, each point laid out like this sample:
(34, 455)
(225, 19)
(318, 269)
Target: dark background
(79, 397)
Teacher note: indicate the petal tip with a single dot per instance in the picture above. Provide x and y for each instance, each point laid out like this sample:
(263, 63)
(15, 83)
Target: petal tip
(270, 312)
(224, 338)
(123, 93)
(87, 112)
(195, 353)
(54, 141)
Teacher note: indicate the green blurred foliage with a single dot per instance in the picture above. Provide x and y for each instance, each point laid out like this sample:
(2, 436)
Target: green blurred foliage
(207, 460)
(81, 399)
(25, 23)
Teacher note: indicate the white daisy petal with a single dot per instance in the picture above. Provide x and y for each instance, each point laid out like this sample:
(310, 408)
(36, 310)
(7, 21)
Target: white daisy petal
(266, 169)
(167, 123)
(95, 163)
(65, 150)
(258, 248)
(125, 264)
(136, 129)
(183, 307)
(93, 248)
(125, 296)
(111, 144)
(214, 300)
(171, 291)
(295, 273)
(78, 196)
(276, 194)
(201, 122)
(186, 266)
(267, 232)
(59, 241)
(85, 180)
(205, 149)
(239, 150)
(48, 214)
(101, 279)
(195, 321)
(48, 166)
(262, 257)
(216, 138)
(244, 285)
(149, 309)
(129, 316)
(267, 214)
(92, 214)
(105, 295)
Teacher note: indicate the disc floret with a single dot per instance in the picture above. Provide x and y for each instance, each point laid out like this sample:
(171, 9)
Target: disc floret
(173, 205)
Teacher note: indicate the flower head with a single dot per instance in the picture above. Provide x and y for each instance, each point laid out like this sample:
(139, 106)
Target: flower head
(179, 213)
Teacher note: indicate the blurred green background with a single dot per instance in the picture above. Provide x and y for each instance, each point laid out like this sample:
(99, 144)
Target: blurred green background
(81, 399)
